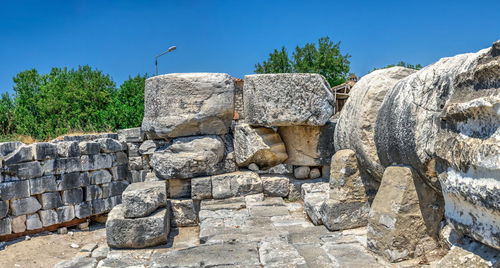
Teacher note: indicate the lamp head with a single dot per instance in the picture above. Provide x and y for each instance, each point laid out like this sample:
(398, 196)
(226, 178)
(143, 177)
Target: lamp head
(172, 48)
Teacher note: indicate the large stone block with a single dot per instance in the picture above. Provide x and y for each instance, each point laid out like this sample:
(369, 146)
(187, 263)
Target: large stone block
(183, 213)
(179, 188)
(26, 170)
(150, 146)
(44, 150)
(131, 135)
(9, 147)
(89, 147)
(33, 222)
(19, 224)
(356, 124)
(443, 121)
(109, 145)
(308, 145)
(275, 185)
(50, 200)
(68, 149)
(142, 198)
(72, 180)
(100, 177)
(94, 162)
(405, 212)
(5, 226)
(259, 145)
(83, 210)
(61, 165)
(189, 157)
(72, 197)
(21, 154)
(14, 190)
(65, 213)
(48, 217)
(120, 172)
(188, 104)
(201, 188)
(113, 188)
(43, 184)
(102, 205)
(138, 232)
(234, 184)
(287, 99)
(4, 209)
(24, 206)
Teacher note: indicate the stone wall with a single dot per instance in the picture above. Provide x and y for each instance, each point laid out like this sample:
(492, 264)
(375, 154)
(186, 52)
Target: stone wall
(50, 183)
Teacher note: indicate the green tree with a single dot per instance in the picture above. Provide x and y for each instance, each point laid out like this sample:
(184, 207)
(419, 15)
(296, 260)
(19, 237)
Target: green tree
(402, 64)
(6, 115)
(128, 103)
(324, 58)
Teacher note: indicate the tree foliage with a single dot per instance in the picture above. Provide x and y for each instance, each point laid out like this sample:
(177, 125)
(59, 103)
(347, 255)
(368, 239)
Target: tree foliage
(324, 58)
(84, 99)
(402, 64)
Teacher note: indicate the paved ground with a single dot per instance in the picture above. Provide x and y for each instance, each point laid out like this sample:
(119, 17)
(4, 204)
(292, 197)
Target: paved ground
(239, 232)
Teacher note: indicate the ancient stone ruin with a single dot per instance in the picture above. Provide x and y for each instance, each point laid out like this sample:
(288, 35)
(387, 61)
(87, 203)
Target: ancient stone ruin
(408, 173)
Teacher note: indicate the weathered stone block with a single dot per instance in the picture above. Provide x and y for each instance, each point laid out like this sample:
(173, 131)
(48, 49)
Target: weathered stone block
(183, 213)
(281, 169)
(43, 184)
(308, 145)
(135, 163)
(33, 222)
(150, 146)
(275, 185)
(4, 208)
(234, 184)
(137, 176)
(72, 197)
(68, 149)
(179, 188)
(189, 157)
(337, 215)
(120, 172)
(404, 212)
(314, 173)
(201, 188)
(100, 206)
(24, 206)
(5, 226)
(113, 188)
(259, 145)
(131, 135)
(9, 147)
(21, 154)
(100, 177)
(26, 170)
(287, 99)
(48, 217)
(141, 199)
(133, 149)
(89, 147)
(98, 161)
(19, 224)
(301, 172)
(61, 165)
(50, 200)
(14, 190)
(65, 213)
(138, 232)
(92, 192)
(44, 150)
(208, 96)
(71, 181)
(83, 210)
(109, 145)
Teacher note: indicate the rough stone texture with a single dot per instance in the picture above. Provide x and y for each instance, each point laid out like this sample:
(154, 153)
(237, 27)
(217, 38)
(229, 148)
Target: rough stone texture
(50, 200)
(24, 206)
(275, 185)
(469, 254)
(42, 185)
(21, 154)
(89, 147)
(201, 188)
(77, 262)
(19, 224)
(405, 212)
(14, 190)
(68, 149)
(26, 170)
(188, 104)
(179, 188)
(9, 147)
(287, 99)
(183, 213)
(138, 232)
(142, 198)
(314, 173)
(258, 145)
(348, 205)
(308, 145)
(48, 217)
(443, 120)
(301, 172)
(189, 157)
(131, 135)
(4, 208)
(109, 145)
(356, 124)
(235, 184)
(281, 169)
(33, 222)
(314, 196)
(150, 146)
(5, 226)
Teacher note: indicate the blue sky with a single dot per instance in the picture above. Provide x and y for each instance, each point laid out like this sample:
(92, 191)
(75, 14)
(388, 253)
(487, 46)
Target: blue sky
(121, 38)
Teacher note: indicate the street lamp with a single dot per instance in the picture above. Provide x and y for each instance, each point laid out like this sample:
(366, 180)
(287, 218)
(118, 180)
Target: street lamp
(170, 49)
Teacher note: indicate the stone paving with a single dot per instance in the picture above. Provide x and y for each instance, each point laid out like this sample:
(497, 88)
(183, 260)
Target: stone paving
(251, 231)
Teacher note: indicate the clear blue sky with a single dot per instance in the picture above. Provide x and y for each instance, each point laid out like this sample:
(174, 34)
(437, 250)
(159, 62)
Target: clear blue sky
(121, 38)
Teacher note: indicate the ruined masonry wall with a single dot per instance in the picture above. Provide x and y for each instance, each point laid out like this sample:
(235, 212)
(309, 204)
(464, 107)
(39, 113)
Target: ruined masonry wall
(49, 183)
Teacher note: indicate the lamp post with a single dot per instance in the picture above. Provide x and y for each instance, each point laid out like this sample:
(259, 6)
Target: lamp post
(170, 49)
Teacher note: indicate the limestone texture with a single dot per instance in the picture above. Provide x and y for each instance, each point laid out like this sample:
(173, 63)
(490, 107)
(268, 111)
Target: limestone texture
(142, 198)
(189, 157)
(138, 232)
(235, 184)
(308, 145)
(444, 122)
(404, 213)
(187, 104)
(287, 99)
(258, 145)
(356, 124)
